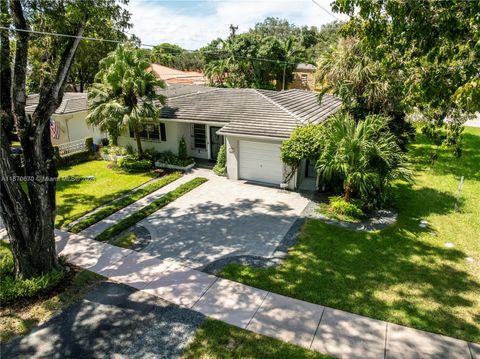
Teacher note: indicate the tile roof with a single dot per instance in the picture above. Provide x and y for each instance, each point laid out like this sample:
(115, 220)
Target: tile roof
(252, 112)
(72, 102)
(174, 76)
(243, 111)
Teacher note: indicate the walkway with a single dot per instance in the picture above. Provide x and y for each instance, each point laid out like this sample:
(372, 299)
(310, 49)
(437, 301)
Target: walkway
(309, 325)
(97, 228)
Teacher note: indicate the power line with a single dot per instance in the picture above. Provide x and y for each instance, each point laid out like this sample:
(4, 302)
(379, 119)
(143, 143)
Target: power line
(69, 36)
(328, 12)
(146, 45)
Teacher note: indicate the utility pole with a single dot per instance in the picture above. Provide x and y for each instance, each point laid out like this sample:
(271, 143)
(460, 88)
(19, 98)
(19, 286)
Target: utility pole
(284, 70)
(233, 30)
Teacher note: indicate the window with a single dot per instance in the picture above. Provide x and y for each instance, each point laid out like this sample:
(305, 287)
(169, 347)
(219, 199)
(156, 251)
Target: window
(151, 132)
(199, 136)
(304, 79)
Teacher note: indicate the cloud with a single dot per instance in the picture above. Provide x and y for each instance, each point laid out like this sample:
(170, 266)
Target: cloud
(192, 26)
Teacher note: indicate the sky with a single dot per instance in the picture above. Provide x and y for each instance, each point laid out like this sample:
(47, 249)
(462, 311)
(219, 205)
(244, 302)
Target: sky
(193, 24)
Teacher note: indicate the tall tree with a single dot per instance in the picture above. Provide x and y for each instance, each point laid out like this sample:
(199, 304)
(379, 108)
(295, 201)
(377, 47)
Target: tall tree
(365, 85)
(434, 42)
(123, 95)
(42, 52)
(29, 215)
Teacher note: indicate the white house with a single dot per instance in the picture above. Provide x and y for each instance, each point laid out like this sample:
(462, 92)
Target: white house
(68, 121)
(252, 123)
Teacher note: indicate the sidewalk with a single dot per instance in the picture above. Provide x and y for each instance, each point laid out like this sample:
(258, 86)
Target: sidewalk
(312, 326)
(97, 228)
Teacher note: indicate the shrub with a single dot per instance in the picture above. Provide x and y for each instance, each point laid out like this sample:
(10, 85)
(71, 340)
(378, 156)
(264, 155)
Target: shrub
(220, 166)
(304, 143)
(182, 149)
(89, 145)
(114, 150)
(130, 149)
(339, 206)
(12, 290)
(170, 158)
(132, 164)
(364, 155)
(74, 159)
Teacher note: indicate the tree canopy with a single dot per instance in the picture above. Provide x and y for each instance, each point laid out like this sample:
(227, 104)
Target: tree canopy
(174, 56)
(109, 20)
(264, 56)
(435, 43)
(123, 95)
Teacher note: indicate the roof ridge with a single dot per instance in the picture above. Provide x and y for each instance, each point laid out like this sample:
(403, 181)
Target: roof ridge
(194, 93)
(298, 118)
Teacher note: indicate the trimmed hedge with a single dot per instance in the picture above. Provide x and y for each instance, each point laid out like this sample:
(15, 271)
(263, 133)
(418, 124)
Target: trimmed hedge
(151, 208)
(77, 157)
(123, 202)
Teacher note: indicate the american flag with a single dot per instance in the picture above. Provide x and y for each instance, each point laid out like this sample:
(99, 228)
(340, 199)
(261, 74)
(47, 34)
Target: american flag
(54, 130)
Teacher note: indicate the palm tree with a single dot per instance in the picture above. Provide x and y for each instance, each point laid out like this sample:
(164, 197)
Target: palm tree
(123, 95)
(364, 155)
(349, 73)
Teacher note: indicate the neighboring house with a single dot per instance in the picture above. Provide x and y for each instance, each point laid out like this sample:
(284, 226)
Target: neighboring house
(252, 123)
(174, 77)
(303, 77)
(68, 122)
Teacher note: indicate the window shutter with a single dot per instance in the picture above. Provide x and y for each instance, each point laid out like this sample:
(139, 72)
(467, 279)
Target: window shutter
(163, 132)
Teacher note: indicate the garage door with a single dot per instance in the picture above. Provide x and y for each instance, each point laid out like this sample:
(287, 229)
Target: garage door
(260, 161)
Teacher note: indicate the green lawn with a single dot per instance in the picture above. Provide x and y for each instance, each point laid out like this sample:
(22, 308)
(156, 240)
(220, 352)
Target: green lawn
(215, 339)
(154, 206)
(74, 198)
(403, 274)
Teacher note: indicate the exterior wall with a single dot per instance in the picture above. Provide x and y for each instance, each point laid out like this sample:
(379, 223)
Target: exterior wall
(73, 127)
(298, 83)
(171, 144)
(232, 149)
(174, 132)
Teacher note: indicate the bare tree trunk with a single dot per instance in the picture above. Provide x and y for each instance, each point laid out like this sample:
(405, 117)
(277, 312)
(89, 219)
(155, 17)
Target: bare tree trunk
(139, 142)
(348, 192)
(29, 216)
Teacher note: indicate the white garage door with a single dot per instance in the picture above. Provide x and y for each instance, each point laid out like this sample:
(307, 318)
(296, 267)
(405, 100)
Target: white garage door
(260, 161)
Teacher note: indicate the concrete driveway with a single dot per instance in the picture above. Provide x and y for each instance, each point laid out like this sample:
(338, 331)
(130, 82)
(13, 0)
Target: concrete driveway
(222, 218)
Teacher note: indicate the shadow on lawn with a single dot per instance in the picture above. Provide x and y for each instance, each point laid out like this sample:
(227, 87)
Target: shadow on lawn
(467, 165)
(399, 274)
(72, 201)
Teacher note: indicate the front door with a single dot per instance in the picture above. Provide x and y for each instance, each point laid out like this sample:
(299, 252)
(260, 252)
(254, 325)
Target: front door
(216, 141)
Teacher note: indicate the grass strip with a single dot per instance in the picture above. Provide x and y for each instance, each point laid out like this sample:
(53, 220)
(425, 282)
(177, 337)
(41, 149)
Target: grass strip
(151, 208)
(215, 340)
(125, 201)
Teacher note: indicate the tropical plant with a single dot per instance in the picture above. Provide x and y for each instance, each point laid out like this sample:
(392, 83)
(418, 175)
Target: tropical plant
(220, 167)
(123, 94)
(182, 149)
(364, 155)
(304, 143)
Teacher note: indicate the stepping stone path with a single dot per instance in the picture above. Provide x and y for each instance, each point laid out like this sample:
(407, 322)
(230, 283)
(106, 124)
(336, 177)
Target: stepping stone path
(309, 325)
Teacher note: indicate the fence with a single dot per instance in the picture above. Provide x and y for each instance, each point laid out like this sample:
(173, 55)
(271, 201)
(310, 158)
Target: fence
(72, 147)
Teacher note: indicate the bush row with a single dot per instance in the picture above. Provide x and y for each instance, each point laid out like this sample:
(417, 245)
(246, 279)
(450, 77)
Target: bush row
(151, 208)
(124, 201)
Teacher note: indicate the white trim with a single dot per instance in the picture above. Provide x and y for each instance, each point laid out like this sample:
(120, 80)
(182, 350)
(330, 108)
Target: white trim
(215, 124)
(252, 136)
